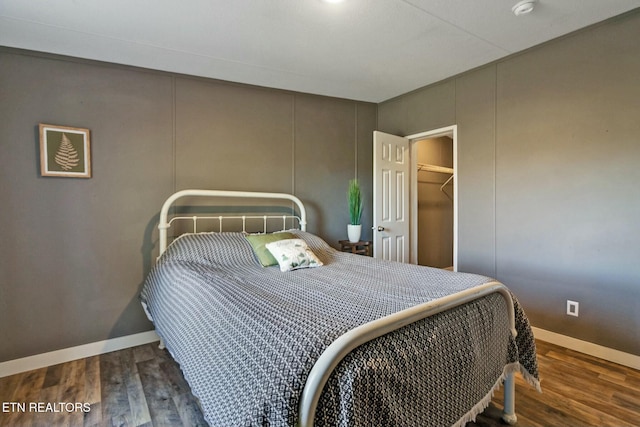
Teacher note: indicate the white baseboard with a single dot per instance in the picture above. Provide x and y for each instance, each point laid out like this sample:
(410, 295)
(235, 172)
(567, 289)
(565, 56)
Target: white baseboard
(37, 361)
(606, 353)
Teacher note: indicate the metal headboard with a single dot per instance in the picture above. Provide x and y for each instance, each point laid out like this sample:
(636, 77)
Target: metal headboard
(165, 223)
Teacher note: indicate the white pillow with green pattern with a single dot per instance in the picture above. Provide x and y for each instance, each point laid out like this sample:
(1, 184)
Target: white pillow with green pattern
(293, 254)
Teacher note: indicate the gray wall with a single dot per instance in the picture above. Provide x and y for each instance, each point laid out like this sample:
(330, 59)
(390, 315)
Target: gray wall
(74, 252)
(548, 151)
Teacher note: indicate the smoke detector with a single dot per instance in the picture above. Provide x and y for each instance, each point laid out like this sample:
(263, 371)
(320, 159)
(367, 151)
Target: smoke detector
(523, 7)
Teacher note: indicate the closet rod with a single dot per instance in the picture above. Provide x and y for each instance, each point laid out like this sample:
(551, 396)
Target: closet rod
(434, 168)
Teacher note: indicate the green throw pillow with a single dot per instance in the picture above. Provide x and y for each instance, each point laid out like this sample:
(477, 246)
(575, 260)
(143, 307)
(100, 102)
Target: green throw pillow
(258, 241)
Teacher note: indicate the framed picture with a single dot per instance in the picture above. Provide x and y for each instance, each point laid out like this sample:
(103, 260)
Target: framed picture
(65, 151)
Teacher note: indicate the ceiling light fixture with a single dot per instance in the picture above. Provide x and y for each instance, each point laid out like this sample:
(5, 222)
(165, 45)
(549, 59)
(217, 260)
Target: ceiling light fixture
(523, 7)
(332, 1)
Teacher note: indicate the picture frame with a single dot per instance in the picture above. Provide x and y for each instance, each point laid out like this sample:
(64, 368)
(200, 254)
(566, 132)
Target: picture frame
(65, 151)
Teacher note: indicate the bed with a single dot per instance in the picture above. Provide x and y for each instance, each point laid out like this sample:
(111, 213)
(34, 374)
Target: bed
(343, 340)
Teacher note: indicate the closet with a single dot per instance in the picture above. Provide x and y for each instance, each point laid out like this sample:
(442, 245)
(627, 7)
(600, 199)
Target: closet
(435, 201)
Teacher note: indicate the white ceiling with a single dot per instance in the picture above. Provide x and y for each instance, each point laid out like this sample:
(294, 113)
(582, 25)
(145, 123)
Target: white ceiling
(368, 50)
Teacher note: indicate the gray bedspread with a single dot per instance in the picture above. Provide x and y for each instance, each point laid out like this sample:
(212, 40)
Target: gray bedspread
(247, 336)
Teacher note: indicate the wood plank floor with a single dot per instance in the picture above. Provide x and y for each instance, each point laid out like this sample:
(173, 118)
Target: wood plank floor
(143, 386)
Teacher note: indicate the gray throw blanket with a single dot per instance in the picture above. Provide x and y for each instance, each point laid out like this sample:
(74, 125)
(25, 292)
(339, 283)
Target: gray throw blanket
(246, 336)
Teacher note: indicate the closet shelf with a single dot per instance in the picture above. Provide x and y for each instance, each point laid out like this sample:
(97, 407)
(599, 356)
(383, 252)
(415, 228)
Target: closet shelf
(433, 168)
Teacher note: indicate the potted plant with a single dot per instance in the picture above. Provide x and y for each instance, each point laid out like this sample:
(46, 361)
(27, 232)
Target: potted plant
(354, 197)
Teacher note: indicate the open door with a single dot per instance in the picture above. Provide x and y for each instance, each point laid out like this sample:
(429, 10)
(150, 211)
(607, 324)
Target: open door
(391, 174)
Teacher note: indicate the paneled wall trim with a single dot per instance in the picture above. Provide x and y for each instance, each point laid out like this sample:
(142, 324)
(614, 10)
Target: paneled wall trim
(74, 253)
(548, 149)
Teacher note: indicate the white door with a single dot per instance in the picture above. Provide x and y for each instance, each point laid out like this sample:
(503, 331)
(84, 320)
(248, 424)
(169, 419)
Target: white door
(391, 173)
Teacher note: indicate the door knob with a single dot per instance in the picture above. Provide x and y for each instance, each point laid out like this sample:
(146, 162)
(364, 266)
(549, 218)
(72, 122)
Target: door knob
(380, 228)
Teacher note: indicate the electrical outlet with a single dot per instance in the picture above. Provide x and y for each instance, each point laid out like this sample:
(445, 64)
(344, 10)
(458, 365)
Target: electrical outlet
(572, 308)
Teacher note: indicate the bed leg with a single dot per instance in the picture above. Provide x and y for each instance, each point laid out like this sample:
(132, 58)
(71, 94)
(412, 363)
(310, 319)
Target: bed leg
(161, 344)
(509, 411)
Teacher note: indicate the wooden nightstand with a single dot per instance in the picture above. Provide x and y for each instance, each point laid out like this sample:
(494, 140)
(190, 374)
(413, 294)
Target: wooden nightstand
(361, 247)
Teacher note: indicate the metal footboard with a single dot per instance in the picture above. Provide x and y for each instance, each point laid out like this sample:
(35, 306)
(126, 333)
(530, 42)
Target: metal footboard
(333, 354)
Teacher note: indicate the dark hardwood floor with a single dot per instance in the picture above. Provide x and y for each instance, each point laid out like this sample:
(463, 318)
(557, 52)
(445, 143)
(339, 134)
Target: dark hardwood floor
(577, 390)
(143, 386)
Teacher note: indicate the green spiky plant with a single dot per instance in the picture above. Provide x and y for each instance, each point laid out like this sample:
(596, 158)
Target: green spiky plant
(354, 197)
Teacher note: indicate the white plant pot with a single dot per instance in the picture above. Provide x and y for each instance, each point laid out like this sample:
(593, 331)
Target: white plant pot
(354, 232)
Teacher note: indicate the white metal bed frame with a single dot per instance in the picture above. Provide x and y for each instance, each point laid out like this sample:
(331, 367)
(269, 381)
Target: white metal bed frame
(333, 354)
(165, 223)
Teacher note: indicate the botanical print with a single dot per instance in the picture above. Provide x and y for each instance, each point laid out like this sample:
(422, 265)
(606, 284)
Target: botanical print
(66, 156)
(65, 151)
